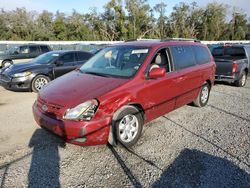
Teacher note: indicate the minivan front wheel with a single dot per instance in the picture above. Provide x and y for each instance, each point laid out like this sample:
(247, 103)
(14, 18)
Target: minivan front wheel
(128, 126)
(39, 82)
(203, 96)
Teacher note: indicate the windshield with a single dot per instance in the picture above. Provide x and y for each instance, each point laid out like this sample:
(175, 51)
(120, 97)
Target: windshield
(46, 58)
(116, 62)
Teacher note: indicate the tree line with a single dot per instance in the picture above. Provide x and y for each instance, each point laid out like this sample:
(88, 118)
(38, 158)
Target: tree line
(128, 19)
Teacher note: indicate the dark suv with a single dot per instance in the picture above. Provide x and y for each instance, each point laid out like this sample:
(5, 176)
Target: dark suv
(22, 53)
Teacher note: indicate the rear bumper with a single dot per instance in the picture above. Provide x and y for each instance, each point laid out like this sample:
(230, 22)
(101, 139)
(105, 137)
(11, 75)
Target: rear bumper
(224, 78)
(84, 133)
(227, 78)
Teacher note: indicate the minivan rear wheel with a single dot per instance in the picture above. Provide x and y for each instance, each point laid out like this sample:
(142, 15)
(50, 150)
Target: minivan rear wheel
(203, 96)
(39, 82)
(128, 126)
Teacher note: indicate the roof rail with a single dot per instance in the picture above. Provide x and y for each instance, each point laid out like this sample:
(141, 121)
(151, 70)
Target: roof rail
(180, 39)
(140, 39)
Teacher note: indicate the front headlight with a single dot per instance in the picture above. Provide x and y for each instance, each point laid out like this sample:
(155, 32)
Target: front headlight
(22, 74)
(84, 111)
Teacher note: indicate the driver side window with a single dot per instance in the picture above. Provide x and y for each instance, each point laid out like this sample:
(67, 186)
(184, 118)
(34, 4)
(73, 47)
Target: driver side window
(24, 50)
(161, 60)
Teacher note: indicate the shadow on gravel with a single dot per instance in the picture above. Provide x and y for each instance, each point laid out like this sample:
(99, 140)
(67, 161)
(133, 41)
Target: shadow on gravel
(193, 168)
(229, 113)
(210, 142)
(6, 168)
(124, 167)
(45, 168)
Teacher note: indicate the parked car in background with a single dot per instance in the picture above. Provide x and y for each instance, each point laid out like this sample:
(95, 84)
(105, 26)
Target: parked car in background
(232, 62)
(96, 50)
(41, 70)
(22, 53)
(123, 87)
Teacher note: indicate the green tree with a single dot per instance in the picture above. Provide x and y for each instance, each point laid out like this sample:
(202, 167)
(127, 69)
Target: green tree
(139, 20)
(238, 26)
(179, 21)
(60, 26)
(214, 21)
(114, 11)
(161, 23)
(3, 25)
(20, 24)
(43, 29)
(76, 27)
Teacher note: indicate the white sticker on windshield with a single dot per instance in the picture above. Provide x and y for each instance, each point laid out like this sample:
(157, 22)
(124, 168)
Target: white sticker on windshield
(140, 51)
(55, 55)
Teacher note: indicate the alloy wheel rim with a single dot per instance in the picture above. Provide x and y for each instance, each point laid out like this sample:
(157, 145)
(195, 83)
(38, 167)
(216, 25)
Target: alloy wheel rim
(7, 64)
(204, 94)
(243, 80)
(40, 82)
(128, 128)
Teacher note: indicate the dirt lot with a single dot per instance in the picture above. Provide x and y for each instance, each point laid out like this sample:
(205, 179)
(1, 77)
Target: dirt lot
(190, 147)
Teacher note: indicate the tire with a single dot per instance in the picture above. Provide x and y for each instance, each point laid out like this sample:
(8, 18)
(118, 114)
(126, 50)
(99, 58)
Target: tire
(38, 82)
(242, 81)
(127, 126)
(6, 63)
(203, 96)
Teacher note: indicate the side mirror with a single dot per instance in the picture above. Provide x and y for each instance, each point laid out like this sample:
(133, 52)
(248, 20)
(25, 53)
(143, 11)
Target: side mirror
(157, 73)
(15, 52)
(59, 63)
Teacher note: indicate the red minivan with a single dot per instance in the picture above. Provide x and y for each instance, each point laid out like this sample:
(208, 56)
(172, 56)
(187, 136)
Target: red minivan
(123, 87)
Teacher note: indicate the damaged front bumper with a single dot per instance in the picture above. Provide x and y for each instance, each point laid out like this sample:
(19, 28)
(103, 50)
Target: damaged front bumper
(83, 133)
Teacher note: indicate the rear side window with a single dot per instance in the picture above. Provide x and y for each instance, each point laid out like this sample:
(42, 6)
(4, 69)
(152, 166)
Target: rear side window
(66, 58)
(201, 54)
(34, 49)
(44, 49)
(83, 56)
(183, 57)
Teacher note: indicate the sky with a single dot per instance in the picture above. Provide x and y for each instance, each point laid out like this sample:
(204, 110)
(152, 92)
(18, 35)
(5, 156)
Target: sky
(83, 6)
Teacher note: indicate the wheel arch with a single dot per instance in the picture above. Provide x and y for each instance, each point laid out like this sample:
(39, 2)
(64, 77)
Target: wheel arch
(112, 139)
(209, 83)
(246, 70)
(4, 60)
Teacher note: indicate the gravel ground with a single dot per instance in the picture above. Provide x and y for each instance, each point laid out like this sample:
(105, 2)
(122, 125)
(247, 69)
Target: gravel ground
(189, 147)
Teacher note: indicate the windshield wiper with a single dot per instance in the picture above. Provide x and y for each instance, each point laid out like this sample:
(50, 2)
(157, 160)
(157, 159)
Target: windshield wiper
(97, 74)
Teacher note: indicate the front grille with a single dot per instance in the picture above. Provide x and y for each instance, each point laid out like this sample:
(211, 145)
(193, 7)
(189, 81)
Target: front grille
(52, 110)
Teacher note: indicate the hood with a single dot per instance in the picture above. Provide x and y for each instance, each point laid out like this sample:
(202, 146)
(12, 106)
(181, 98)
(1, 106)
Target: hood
(22, 67)
(3, 55)
(76, 87)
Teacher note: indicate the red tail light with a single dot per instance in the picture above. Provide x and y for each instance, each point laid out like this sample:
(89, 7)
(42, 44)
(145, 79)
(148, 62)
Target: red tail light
(234, 67)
